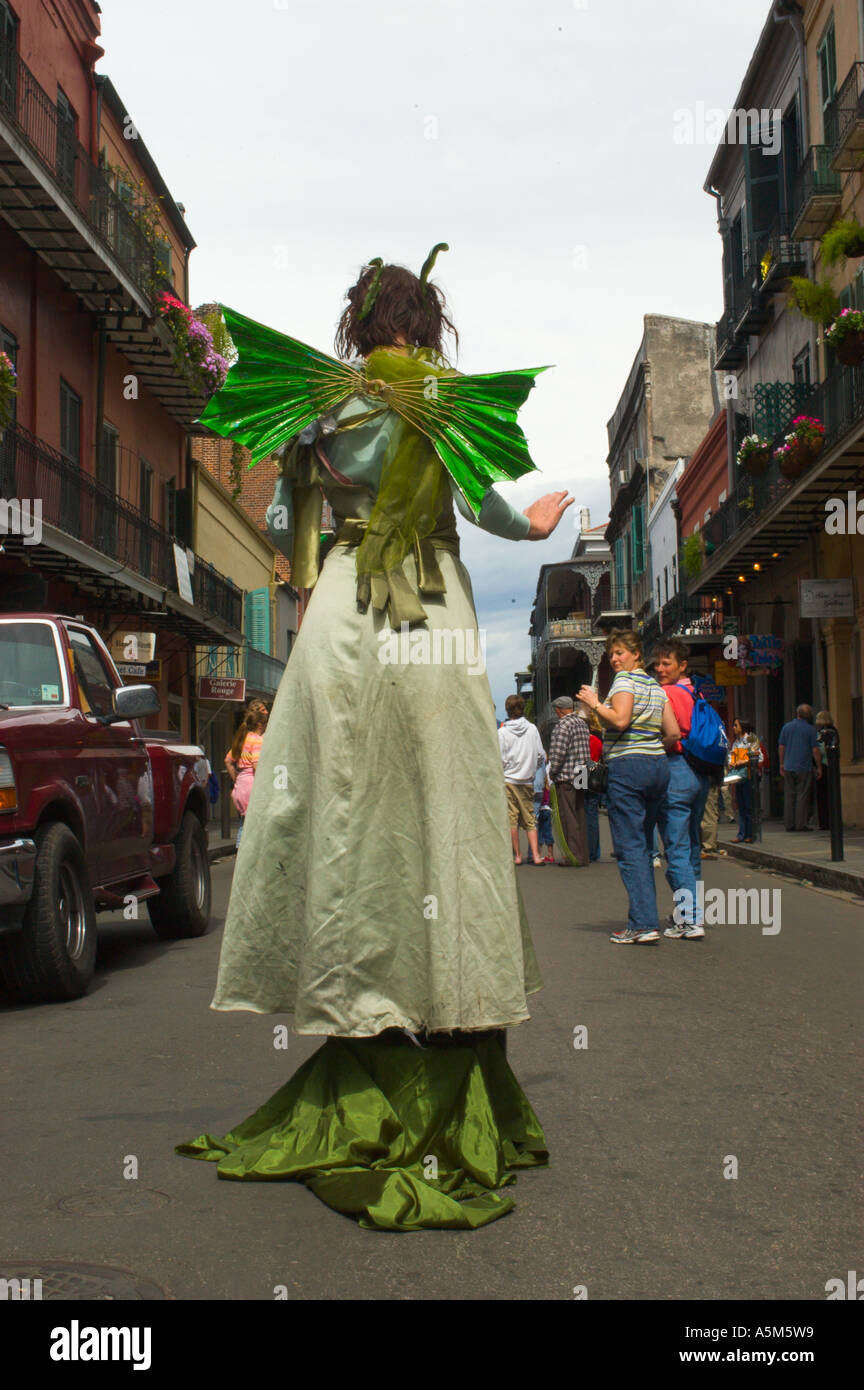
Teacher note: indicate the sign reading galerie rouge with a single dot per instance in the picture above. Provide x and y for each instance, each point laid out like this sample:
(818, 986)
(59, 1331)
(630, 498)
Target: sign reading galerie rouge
(222, 688)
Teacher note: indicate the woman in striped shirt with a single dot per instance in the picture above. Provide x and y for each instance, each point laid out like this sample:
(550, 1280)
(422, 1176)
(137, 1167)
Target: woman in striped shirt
(639, 725)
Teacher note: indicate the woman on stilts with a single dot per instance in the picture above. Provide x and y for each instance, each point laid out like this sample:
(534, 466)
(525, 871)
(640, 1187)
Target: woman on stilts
(374, 894)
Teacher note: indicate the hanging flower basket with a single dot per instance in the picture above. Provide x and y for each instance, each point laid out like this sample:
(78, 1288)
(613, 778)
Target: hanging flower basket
(846, 336)
(754, 455)
(802, 445)
(194, 352)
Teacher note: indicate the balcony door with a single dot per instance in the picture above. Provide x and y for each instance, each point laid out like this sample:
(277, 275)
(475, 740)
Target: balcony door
(64, 160)
(8, 58)
(106, 474)
(70, 448)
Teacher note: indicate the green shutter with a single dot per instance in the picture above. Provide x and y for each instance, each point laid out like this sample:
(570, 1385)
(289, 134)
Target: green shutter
(619, 570)
(638, 539)
(258, 619)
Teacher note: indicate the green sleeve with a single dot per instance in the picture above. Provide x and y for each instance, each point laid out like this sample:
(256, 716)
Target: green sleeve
(496, 515)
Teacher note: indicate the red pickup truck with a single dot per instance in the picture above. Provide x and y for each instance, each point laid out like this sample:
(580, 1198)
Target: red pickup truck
(95, 813)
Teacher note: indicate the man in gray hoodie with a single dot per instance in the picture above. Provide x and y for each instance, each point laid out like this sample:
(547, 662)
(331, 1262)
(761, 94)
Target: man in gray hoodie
(521, 753)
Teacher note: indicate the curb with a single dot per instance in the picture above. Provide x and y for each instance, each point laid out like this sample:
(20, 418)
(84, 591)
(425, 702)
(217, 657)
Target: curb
(821, 875)
(220, 852)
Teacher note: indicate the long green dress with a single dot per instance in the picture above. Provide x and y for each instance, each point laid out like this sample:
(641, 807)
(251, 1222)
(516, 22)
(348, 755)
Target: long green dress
(374, 889)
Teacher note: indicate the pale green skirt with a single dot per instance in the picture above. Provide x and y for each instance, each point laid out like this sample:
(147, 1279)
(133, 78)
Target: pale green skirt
(374, 885)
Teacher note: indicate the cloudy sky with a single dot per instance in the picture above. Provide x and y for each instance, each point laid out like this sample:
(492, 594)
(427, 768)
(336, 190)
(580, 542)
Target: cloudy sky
(306, 136)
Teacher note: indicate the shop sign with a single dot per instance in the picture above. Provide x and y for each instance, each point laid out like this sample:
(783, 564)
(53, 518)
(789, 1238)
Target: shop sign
(826, 598)
(727, 674)
(760, 651)
(135, 647)
(142, 670)
(221, 688)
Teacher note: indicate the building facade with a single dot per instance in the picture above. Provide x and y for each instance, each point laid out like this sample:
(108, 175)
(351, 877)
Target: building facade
(792, 580)
(664, 409)
(98, 440)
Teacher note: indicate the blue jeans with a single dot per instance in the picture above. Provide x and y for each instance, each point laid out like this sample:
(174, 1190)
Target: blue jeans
(744, 796)
(637, 785)
(543, 817)
(592, 820)
(680, 822)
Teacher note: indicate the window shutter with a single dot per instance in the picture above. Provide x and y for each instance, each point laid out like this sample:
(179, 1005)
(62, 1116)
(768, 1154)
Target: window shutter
(638, 542)
(258, 619)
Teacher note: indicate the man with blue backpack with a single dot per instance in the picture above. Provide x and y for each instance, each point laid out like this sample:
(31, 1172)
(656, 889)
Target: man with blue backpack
(694, 761)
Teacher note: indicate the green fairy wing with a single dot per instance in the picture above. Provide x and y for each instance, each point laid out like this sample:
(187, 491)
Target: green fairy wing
(470, 420)
(276, 387)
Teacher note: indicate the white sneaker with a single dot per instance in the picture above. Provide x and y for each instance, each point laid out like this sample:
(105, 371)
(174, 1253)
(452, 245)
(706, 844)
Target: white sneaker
(658, 863)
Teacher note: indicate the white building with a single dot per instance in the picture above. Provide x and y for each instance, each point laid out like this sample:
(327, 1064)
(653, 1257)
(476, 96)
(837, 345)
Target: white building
(663, 542)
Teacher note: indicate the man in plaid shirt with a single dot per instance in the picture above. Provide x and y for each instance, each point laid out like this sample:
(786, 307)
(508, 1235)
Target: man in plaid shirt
(569, 760)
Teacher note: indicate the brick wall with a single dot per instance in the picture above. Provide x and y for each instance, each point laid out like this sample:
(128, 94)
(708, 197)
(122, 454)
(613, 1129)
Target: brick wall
(258, 484)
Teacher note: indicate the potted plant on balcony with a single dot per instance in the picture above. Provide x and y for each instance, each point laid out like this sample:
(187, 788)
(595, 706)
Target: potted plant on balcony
(801, 446)
(754, 455)
(842, 241)
(816, 301)
(846, 336)
(693, 554)
(8, 390)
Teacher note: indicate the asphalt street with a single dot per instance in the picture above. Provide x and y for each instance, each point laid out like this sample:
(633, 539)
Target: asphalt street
(743, 1046)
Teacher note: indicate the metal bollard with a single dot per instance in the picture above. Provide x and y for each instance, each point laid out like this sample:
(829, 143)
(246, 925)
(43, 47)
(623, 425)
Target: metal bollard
(755, 797)
(831, 740)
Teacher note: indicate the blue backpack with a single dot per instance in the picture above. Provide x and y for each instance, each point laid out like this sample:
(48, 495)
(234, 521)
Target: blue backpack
(707, 743)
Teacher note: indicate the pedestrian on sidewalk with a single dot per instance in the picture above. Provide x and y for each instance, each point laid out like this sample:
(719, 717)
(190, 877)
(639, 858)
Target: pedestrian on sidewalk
(543, 814)
(798, 749)
(679, 817)
(823, 721)
(636, 717)
(569, 760)
(241, 760)
(593, 800)
(522, 755)
(746, 745)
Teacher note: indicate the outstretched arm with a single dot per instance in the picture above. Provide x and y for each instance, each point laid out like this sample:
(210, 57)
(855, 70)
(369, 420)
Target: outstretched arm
(501, 519)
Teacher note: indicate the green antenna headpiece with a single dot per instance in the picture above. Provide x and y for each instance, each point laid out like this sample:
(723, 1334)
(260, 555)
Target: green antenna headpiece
(372, 293)
(430, 261)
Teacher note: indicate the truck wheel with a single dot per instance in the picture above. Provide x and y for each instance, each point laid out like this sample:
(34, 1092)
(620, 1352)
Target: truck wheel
(182, 907)
(53, 956)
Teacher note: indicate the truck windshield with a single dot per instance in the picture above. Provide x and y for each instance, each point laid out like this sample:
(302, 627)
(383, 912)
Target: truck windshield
(29, 670)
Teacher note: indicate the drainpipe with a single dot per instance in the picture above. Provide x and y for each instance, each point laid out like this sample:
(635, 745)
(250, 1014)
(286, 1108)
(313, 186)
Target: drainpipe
(790, 10)
(723, 226)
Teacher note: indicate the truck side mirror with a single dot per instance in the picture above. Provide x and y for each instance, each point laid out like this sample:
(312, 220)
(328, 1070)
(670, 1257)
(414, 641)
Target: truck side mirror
(132, 701)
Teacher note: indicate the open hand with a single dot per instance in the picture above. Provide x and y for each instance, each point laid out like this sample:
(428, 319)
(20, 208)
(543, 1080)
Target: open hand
(545, 513)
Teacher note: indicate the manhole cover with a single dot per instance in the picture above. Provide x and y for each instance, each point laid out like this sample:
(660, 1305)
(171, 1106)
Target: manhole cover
(79, 1282)
(114, 1201)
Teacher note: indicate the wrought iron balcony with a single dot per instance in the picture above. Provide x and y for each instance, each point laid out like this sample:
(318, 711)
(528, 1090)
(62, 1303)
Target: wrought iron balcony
(74, 502)
(692, 619)
(839, 403)
(26, 107)
(776, 256)
(815, 194)
(731, 347)
(617, 603)
(844, 122)
(775, 405)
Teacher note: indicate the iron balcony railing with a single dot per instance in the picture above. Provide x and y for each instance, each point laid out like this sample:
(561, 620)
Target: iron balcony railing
(815, 193)
(615, 599)
(51, 137)
(263, 672)
(686, 618)
(839, 403)
(844, 122)
(74, 502)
